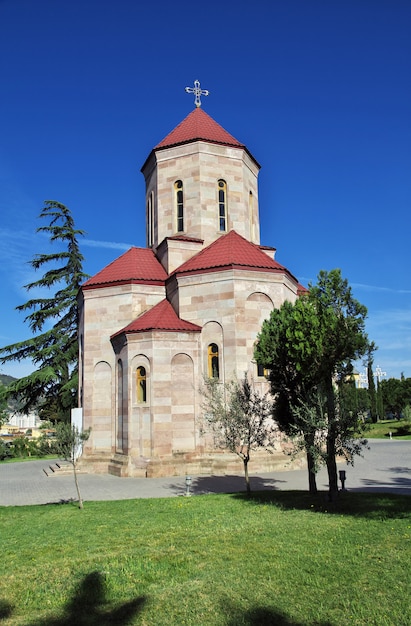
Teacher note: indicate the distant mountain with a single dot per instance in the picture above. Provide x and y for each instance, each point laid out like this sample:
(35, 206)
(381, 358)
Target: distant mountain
(5, 379)
(13, 404)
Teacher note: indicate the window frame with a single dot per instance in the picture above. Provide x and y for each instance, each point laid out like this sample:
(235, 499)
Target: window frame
(222, 205)
(213, 361)
(179, 205)
(141, 385)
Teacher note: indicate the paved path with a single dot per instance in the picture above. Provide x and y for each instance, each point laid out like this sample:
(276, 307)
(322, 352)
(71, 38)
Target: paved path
(385, 467)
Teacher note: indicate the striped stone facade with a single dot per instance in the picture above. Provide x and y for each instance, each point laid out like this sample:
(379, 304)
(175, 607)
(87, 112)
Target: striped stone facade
(147, 320)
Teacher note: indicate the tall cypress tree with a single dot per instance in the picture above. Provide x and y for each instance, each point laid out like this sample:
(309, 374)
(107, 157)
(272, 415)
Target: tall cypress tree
(371, 389)
(53, 350)
(380, 402)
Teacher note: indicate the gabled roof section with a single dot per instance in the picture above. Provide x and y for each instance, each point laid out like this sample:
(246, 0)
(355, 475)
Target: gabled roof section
(136, 266)
(161, 317)
(231, 251)
(185, 238)
(198, 126)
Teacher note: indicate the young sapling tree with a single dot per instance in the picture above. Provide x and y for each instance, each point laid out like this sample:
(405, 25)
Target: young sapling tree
(239, 418)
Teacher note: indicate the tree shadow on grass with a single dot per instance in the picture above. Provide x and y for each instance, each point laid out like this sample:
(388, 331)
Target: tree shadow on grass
(400, 431)
(359, 504)
(88, 607)
(6, 609)
(264, 616)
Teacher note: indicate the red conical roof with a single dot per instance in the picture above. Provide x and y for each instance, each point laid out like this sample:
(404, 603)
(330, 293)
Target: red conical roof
(198, 126)
(161, 317)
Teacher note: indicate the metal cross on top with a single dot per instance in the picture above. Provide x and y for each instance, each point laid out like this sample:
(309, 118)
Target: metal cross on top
(198, 92)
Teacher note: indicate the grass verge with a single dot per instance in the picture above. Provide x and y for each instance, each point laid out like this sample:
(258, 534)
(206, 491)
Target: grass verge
(284, 558)
(399, 429)
(27, 459)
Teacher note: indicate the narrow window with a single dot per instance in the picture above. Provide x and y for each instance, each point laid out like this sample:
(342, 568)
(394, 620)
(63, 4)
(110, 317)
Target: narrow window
(251, 214)
(178, 191)
(213, 365)
(222, 204)
(141, 385)
(150, 220)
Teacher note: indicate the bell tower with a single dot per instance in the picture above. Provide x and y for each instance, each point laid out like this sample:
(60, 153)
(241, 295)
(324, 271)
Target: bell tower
(200, 183)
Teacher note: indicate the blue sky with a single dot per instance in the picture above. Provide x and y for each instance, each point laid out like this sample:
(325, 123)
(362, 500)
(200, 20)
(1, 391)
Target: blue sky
(318, 90)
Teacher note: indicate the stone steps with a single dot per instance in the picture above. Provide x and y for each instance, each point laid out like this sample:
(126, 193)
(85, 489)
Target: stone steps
(59, 468)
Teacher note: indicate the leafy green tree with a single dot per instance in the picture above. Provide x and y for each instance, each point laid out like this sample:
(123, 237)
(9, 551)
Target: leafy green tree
(355, 400)
(407, 413)
(239, 419)
(68, 444)
(5, 452)
(285, 344)
(22, 447)
(53, 350)
(396, 396)
(309, 347)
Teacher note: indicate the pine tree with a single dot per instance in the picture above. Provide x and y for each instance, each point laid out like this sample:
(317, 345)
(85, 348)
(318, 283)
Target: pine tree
(53, 350)
(371, 389)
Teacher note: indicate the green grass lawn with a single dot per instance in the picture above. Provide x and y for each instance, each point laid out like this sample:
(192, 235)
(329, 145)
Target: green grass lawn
(26, 459)
(283, 558)
(400, 429)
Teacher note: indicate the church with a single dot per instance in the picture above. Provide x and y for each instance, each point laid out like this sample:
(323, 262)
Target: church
(158, 320)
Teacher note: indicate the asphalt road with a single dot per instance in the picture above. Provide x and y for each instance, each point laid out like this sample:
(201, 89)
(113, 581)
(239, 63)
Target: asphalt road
(385, 467)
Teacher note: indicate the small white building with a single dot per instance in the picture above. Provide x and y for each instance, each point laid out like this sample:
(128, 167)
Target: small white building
(24, 421)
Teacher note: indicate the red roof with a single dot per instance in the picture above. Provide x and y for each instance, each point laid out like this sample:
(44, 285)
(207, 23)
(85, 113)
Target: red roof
(185, 238)
(198, 126)
(137, 265)
(161, 317)
(230, 251)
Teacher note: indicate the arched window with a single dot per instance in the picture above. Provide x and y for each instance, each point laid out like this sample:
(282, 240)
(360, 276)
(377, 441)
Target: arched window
(213, 364)
(150, 220)
(141, 384)
(222, 205)
(179, 200)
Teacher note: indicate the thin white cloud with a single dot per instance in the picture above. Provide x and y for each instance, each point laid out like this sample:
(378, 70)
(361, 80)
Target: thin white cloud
(393, 318)
(17, 248)
(363, 286)
(91, 243)
(376, 288)
(390, 329)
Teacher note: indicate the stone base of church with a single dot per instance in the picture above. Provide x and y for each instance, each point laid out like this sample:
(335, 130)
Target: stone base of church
(179, 464)
(94, 462)
(220, 464)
